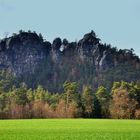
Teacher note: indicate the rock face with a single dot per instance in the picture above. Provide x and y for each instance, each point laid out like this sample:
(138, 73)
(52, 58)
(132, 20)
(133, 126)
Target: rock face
(22, 53)
(35, 61)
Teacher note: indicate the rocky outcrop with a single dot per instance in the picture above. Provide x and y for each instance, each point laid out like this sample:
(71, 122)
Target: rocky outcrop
(27, 53)
(22, 53)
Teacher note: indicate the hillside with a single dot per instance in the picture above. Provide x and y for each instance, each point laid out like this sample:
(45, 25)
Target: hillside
(35, 61)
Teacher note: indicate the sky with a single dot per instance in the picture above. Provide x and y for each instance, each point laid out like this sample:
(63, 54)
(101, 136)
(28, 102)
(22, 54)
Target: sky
(115, 22)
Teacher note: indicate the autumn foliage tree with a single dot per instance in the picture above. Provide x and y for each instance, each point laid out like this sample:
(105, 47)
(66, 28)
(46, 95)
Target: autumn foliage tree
(124, 104)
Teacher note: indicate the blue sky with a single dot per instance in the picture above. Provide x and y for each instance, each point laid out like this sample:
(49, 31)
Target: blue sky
(115, 21)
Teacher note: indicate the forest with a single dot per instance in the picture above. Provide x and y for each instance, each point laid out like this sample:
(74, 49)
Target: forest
(121, 102)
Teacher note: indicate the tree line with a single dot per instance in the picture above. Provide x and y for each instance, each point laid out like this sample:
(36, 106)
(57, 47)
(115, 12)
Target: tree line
(122, 102)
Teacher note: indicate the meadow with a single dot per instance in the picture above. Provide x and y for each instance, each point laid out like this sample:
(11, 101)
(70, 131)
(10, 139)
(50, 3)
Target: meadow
(69, 129)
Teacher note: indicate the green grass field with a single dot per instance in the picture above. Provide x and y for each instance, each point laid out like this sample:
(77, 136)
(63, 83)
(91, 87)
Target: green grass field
(69, 129)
